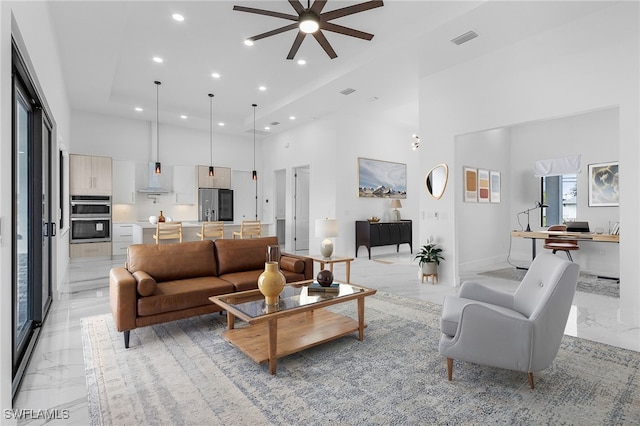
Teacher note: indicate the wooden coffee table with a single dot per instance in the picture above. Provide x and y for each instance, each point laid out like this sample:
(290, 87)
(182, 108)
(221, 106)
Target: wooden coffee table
(297, 323)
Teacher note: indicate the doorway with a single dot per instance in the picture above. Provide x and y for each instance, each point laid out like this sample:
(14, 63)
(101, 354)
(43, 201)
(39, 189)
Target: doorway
(301, 208)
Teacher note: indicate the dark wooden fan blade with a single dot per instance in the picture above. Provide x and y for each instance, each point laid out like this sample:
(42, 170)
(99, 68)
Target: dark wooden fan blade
(296, 45)
(274, 32)
(346, 31)
(317, 6)
(350, 10)
(266, 12)
(325, 44)
(297, 6)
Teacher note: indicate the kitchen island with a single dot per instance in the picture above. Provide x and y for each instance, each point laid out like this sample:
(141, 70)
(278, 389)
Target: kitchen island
(143, 231)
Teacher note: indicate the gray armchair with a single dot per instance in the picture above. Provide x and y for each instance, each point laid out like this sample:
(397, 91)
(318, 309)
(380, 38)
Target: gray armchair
(520, 331)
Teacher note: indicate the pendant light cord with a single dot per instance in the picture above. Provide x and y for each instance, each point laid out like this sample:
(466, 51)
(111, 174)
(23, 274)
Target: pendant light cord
(211, 129)
(157, 120)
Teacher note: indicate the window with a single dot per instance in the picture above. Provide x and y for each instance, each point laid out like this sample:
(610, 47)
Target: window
(560, 194)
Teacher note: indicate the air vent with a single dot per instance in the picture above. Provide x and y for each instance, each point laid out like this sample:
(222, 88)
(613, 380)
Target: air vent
(259, 132)
(348, 91)
(464, 37)
(274, 123)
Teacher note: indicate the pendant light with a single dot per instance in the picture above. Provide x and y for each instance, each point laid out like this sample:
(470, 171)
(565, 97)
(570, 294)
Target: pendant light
(211, 173)
(254, 173)
(158, 168)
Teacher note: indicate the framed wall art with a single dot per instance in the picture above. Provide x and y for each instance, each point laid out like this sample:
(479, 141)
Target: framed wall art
(470, 185)
(495, 185)
(381, 179)
(483, 186)
(603, 185)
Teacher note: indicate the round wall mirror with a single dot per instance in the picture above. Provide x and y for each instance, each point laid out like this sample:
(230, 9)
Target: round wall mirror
(436, 180)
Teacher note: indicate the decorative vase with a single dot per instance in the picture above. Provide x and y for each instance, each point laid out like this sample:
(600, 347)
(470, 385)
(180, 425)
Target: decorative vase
(271, 283)
(325, 278)
(161, 217)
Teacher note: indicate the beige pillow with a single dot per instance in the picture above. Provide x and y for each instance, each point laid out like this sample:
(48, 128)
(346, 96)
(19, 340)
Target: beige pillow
(292, 264)
(146, 283)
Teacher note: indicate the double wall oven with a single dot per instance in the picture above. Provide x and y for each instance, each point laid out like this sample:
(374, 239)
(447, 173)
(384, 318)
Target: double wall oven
(90, 218)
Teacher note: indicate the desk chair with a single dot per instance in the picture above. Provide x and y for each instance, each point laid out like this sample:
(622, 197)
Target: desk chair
(168, 231)
(557, 244)
(248, 229)
(211, 230)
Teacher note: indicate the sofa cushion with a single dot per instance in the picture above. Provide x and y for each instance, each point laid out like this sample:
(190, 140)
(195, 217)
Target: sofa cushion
(183, 294)
(291, 264)
(146, 285)
(168, 262)
(247, 280)
(242, 255)
(292, 277)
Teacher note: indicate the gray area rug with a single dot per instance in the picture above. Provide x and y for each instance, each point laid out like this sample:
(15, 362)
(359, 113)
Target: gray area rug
(184, 372)
(586, 283)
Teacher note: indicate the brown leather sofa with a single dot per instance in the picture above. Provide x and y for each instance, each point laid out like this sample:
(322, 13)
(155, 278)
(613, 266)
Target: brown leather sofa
(166, 282)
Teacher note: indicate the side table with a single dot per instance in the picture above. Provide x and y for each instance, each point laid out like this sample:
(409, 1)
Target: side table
(331, 260)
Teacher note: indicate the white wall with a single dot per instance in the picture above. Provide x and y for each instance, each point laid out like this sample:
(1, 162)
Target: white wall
(331, 147)
(582, 66)
(483, 227)
(29, 23)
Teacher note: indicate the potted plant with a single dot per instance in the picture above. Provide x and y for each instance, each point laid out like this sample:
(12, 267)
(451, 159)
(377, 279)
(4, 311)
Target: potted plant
(429, 257)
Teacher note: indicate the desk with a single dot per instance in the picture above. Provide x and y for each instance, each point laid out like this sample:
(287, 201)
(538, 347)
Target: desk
(561, 235)
(331, 260)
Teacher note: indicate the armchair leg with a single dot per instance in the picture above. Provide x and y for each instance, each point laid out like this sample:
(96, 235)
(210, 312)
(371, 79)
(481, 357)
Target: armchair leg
(531, 380)
(126, 339)
(450, 368)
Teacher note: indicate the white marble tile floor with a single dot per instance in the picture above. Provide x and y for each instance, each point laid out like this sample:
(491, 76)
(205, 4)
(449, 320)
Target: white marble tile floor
(55, 377)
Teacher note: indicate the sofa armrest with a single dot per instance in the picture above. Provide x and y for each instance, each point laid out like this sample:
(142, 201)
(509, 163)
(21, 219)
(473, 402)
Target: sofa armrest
(308, 264)
(123, 298)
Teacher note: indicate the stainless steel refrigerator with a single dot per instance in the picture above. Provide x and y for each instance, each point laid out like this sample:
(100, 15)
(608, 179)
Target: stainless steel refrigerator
(215, 204)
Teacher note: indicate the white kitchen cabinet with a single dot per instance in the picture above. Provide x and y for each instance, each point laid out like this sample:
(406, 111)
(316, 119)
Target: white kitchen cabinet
(221, 177)
(124, 182)
(89, 175)
(184, 185)
(122, 238)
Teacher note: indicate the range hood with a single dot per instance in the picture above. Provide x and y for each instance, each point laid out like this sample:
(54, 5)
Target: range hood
(154, 182)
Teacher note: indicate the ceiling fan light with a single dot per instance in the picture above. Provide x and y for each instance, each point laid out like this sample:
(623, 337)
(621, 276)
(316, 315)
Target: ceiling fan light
(308, 24)
(248, 42)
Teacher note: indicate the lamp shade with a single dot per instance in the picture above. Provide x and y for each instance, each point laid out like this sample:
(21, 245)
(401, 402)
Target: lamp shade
(396, 204)
(326, 228)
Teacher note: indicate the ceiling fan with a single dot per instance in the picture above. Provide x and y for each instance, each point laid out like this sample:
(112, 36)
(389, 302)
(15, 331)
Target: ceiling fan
(311, 20)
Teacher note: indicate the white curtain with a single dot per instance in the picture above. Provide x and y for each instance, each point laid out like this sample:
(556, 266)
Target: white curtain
(558, 166)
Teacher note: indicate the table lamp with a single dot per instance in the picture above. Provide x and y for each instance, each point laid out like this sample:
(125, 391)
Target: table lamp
(396, 204)
(326, 228)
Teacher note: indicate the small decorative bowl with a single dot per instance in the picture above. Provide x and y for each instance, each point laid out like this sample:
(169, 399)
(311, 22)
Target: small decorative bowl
(374, 219)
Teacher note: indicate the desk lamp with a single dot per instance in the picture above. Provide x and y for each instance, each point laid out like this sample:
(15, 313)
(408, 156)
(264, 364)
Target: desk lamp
(537, 206)
(326, 228)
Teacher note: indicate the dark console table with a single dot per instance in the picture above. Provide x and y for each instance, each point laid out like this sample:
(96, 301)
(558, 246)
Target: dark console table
(375, 234)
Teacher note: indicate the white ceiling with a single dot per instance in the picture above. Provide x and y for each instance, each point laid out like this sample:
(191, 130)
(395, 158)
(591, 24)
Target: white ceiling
(106, 49)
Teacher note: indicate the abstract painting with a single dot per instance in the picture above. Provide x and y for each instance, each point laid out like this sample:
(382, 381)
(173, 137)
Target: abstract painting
(381, 179)
(603, 185)
(470, 185)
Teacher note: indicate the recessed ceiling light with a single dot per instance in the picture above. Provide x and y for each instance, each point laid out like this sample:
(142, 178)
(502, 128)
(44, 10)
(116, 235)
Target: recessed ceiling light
(221, 124)
(184, 117)
(301, 62)
(158, 59)
(215, 75)
(267, 128)
(178, 17)
(262, 88)
(292, 117)
(248, 42)
(138, 109)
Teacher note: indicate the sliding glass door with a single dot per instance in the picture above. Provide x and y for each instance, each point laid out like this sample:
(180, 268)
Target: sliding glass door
(33, 226)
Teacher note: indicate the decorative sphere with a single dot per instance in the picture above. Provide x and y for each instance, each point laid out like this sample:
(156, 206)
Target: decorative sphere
(325, 278)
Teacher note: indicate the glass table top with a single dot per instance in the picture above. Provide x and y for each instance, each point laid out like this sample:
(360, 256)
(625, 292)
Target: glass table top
(291, 297)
